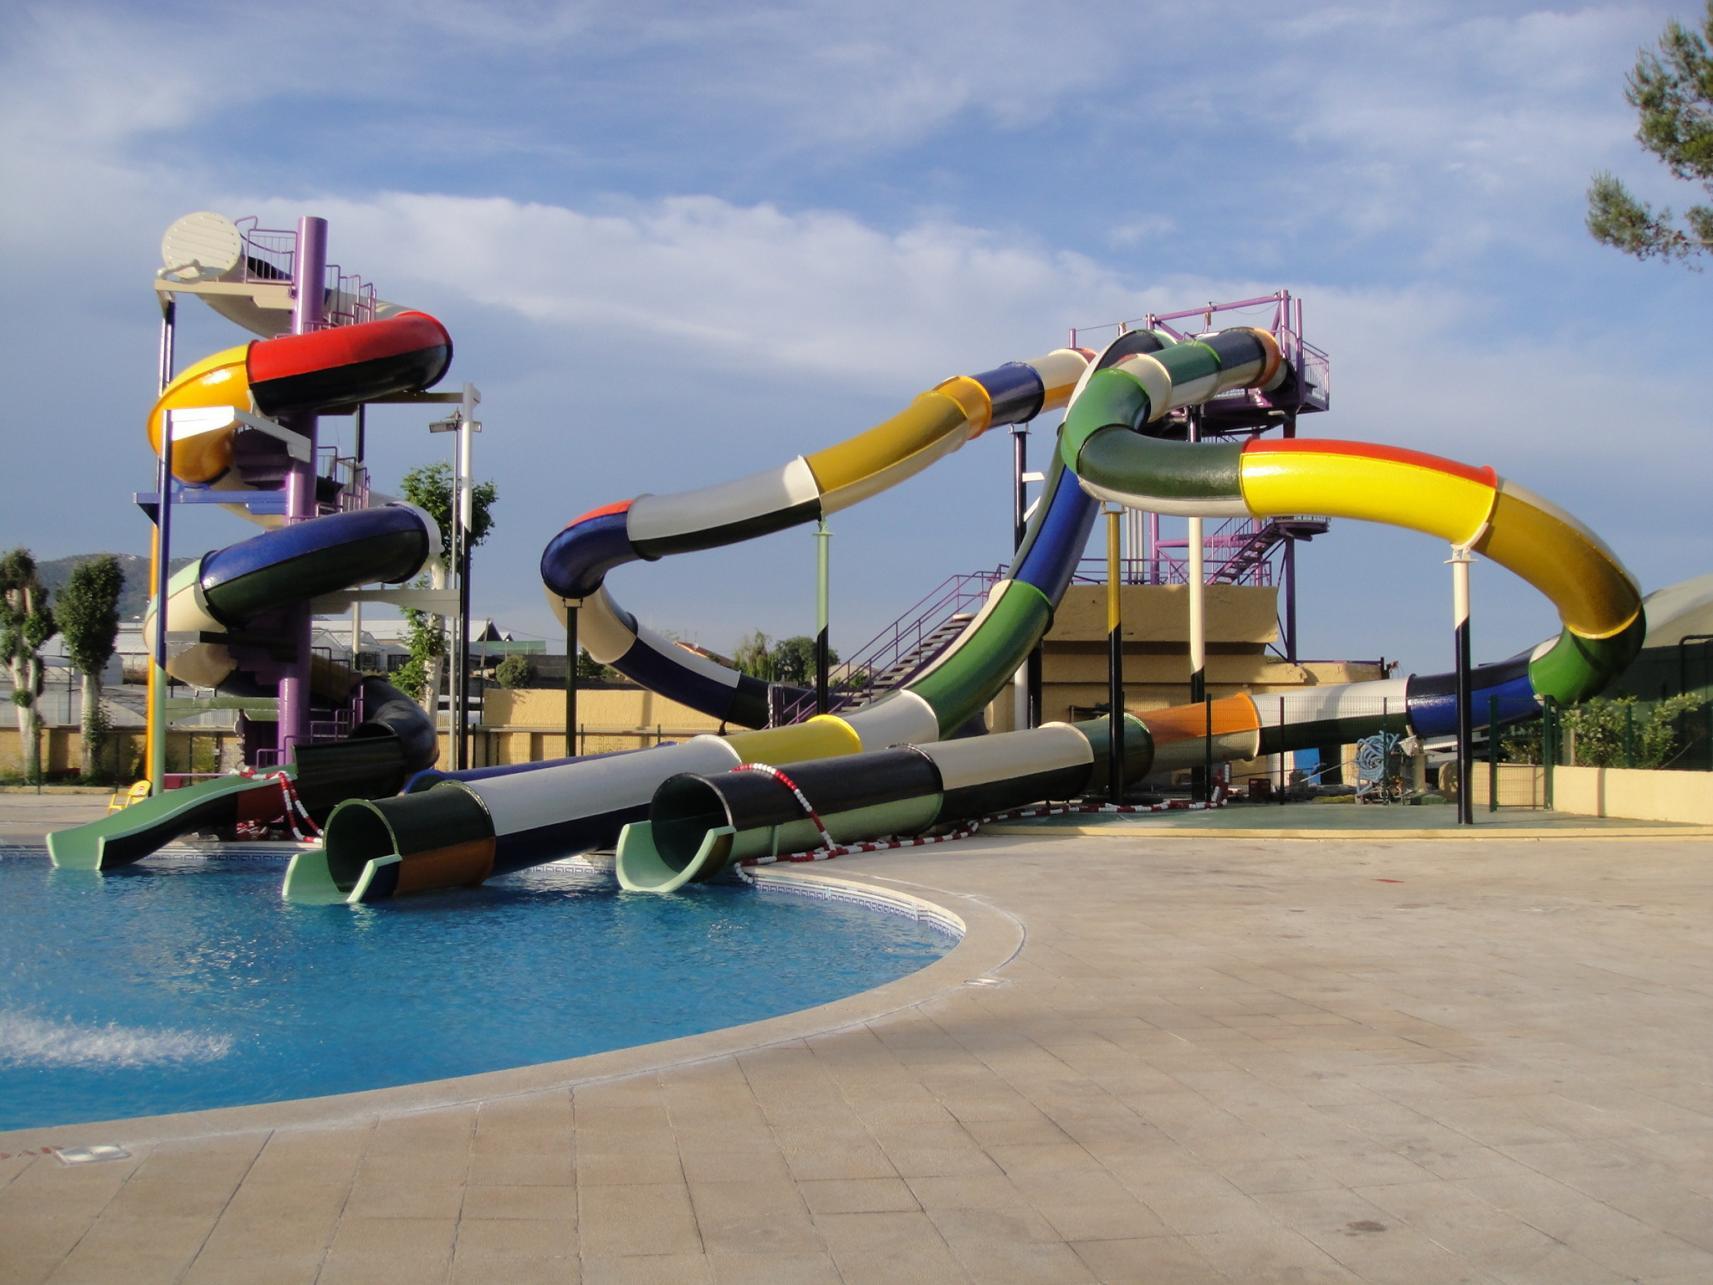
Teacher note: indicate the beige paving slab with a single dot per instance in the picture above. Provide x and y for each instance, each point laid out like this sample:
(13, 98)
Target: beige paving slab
(1218, 1058)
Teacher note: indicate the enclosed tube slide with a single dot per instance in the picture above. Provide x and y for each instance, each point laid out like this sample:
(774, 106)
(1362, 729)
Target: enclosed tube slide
(320, 371)
(533, 816)
(1599, 602)
(700, 825)
(575, 563)
(221, 621)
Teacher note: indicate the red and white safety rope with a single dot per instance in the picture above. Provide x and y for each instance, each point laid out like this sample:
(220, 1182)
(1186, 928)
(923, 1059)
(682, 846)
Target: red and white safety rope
(874, 845)
(1063, 809)
(829, 850)
(767, 769)
(295, 812)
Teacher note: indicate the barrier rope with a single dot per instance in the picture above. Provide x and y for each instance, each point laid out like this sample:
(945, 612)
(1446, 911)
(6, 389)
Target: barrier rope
(295, 812)
(767, 769)
(829, 850)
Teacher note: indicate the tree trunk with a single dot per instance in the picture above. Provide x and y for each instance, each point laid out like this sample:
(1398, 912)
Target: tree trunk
(91, 708)
(29, 752)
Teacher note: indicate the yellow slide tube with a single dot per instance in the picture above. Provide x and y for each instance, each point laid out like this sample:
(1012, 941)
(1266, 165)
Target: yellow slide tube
(219, 380)
(824, 736)
(1595, 596)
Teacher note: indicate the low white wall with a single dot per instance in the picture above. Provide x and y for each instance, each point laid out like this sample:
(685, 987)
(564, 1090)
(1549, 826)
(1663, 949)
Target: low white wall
(1634, 793)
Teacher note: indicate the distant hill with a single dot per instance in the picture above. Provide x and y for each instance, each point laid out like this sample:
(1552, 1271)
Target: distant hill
(56, 571)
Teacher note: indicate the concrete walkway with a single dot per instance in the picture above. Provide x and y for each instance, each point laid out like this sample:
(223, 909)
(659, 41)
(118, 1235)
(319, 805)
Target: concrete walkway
(1216, 1058)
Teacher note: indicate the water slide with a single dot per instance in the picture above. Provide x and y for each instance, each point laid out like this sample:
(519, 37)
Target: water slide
(464, 831)
(225, 611)
(700, 824)
(886, 768)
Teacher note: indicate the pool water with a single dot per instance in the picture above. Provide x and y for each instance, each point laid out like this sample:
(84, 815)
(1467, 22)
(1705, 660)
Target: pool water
(186, 983)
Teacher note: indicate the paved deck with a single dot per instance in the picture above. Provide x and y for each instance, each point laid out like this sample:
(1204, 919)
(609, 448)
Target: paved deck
(1215, 1058)
(1348, 818)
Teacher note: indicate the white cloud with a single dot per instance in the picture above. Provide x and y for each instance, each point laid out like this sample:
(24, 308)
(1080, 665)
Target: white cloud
(754, 287)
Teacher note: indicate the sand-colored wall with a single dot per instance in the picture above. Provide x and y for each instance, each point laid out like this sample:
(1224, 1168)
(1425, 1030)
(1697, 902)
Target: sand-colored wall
(1633, 793)
(526, 725)
(604, 708)
(121, 756)
(1236, 614)
(1241, 621)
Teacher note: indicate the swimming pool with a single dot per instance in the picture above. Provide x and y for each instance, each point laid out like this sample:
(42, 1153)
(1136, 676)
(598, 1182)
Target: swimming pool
(187, 982)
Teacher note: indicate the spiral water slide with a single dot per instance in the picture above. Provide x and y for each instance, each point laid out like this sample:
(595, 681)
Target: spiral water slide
(701, 823)
(224, 610)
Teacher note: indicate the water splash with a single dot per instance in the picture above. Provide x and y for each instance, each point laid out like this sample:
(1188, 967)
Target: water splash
(30, 1041)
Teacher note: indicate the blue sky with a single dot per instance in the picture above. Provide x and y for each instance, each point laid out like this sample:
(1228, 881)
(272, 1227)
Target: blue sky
(678, 243)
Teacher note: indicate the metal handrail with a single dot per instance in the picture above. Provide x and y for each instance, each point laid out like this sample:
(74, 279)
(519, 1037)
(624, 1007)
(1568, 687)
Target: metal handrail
(954, 594)
(270, 255)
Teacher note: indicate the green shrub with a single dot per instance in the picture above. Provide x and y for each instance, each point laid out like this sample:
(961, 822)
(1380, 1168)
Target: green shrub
(514, 671)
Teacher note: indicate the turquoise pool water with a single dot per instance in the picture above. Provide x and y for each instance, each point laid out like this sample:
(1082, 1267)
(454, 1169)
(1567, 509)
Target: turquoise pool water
(186, 983)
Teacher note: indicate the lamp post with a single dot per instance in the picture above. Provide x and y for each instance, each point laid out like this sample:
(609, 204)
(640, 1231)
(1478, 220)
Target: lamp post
(464, 424)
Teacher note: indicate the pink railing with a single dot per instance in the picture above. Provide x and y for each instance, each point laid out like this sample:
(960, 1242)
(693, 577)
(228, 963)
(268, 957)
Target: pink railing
(1313, 366)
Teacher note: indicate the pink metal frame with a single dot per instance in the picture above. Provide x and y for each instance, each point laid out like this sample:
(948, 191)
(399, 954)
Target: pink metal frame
(1312, 365)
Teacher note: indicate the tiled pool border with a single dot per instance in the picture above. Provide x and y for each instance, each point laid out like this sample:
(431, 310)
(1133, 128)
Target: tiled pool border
(988, 938)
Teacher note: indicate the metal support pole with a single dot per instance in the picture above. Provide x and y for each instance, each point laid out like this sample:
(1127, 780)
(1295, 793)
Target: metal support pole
(1492, 753)
(1036, 713)
(1198, 620)
(1549, 748)
(454, 569)
(358, 477)
(1019, 466)
(570, 678)
(1019, 506)
(466, 524)
(1115, 663)
(160, 549)
(1201, 781)
(309, 283)
(1205, 793)
(1284, 782)
(823, 652)
(1460, 560)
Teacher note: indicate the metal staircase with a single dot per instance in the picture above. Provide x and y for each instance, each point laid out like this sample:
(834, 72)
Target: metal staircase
(1248, 543)
(904, 648)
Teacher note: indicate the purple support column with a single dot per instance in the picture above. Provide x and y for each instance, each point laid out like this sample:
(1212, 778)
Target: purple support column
(308, 278)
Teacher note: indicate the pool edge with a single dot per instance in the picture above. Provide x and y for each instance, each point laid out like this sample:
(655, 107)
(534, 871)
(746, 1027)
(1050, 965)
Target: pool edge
(990, 939)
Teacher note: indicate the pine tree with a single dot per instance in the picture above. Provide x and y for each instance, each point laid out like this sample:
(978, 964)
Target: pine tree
(1672, 92)
(429, 487)
(88, 616)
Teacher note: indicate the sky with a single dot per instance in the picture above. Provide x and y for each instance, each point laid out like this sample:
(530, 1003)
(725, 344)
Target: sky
(679, 243)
